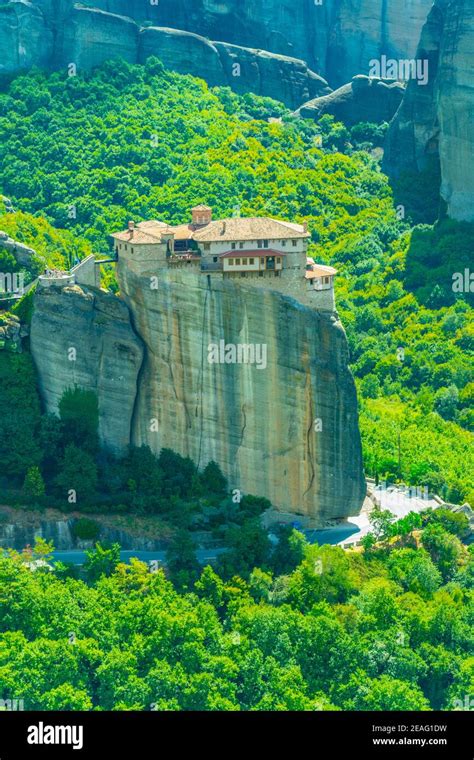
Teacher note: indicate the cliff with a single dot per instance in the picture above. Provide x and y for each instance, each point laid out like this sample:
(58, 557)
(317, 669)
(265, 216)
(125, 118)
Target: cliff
(335, 40)
(362, 99)
(287, 431)
(434, 122)
(85, 338)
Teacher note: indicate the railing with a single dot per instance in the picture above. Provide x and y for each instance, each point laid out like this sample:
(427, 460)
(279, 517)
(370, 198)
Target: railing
(211, 266)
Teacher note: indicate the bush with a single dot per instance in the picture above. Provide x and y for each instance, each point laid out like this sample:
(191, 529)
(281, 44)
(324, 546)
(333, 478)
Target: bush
(86, 529)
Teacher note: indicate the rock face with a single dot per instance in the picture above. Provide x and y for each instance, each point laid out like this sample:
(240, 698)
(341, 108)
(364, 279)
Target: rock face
(335, 39)
(434, 122)
(287, 431)
(83, 337)
(363, 99)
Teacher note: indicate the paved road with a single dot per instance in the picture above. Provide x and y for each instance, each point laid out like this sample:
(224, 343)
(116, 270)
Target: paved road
(79, 557)
(398, 501)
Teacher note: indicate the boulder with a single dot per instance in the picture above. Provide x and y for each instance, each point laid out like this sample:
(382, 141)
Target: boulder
(362, 99)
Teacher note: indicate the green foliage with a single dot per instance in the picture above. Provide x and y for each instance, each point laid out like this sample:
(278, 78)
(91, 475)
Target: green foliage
(33, 486)
(355, 632)
(79, 413)
(19, 415)
(86, 529)
(434, 257)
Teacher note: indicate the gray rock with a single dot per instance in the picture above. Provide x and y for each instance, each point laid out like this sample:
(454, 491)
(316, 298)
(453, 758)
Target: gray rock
(335, 39)
(108, 356)
(363, 99)
(435, 121)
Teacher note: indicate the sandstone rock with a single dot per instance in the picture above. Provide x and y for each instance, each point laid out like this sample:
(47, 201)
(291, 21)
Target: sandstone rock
(435, 121)
(336, 39)
(108, 354)
(90, 36)
(26, 39)
(259, 424)
(363, 99)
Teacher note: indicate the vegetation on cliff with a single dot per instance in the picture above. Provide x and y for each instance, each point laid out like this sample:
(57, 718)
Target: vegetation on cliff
(87, 153)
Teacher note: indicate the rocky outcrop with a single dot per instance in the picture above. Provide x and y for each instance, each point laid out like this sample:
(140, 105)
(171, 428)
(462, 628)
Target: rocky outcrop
(11, 333)
(84, 338)
(86, 37)
(363, 99)
(23, 254)
(287, 431)
(245, 70)
(434, 122)
(335, 39)
(259, 424)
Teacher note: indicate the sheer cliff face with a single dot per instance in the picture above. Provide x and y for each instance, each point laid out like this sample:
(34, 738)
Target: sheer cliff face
(287, 429)
(85, 339)
(436, 120)
(336, 39)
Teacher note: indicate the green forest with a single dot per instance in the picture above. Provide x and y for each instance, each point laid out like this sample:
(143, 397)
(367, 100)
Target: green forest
(80, 156)
(271, 626)
(312, 628)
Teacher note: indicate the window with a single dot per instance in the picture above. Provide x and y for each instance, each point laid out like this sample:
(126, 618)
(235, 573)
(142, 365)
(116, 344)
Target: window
(125, 247)
(260, 274)
(251, 262)
(207, 246)
(244, 261)
(278, 260)
(283, 242)
(294, 243)
(131, 250)
(265, 243)
(237, 262)
(243, 274)
(234, 245)
(326, 280)
(241, 245)
(215, 259)
(260, 243)
(231, 262)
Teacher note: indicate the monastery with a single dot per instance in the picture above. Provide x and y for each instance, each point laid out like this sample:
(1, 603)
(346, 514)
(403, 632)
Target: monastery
(266, 252)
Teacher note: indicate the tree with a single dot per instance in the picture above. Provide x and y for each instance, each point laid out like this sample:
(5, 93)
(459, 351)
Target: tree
(102, 560)
(213, 480)
(79, 412)
(444, 549)
(33, 486)
(77, 479)
(181, 560)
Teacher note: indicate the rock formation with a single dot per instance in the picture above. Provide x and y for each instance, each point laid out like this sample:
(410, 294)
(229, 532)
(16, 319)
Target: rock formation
(84, 338)
(363, 99)
(288, 432)
(334, 39)
(435, 121)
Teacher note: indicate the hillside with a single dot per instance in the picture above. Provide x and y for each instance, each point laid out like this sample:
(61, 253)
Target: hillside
(139, 142)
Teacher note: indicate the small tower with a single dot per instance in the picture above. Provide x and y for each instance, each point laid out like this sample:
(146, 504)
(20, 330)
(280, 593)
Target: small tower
(201, 215)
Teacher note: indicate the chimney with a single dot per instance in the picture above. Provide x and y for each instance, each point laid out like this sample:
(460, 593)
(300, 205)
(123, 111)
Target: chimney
(224, 227)
(131, 228)
(201, 215)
